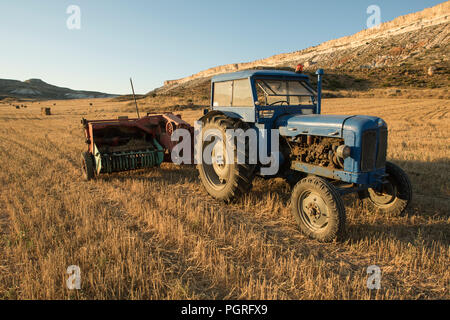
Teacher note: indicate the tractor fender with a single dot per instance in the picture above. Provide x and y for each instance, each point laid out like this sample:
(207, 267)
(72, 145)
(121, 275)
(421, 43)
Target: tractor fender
(217, 112)
(209, 115)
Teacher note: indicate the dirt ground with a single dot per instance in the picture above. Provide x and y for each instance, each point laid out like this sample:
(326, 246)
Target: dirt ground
(156, 234)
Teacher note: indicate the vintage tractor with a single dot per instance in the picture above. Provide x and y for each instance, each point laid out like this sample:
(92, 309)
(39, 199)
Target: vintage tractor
(321, 156)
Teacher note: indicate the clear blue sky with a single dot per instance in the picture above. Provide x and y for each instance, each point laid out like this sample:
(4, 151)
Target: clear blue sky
(153, 41)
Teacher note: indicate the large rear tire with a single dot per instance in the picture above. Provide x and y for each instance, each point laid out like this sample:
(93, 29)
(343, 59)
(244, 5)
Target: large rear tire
(318, 208)
(392, 198)
(225, 181)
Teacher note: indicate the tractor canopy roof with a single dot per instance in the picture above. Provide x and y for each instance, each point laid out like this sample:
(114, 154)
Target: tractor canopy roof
(265, 74)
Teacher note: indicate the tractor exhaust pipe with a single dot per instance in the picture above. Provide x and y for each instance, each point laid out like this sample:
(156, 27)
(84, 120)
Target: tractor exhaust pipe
(319, 73)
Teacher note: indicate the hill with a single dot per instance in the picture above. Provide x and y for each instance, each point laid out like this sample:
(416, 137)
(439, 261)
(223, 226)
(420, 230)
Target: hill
(40, 90)
(406, 57)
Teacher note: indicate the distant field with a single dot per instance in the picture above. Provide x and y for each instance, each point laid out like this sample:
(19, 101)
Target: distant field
(156, 234)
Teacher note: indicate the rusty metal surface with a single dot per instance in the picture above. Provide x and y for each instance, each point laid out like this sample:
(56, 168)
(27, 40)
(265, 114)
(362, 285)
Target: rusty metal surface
(127, 134)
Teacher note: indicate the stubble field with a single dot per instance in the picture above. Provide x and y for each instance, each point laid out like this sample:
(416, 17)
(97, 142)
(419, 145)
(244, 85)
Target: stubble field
(156, 234)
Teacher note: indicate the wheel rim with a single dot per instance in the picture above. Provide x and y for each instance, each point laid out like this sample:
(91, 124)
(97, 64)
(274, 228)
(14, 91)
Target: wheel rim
(217, 173)
(219, 162)
(385, 195)
(313, 210)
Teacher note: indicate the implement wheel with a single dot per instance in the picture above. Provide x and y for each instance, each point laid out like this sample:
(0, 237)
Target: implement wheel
(318, 208)
(222, 180)
(87, 165)
(393, 197)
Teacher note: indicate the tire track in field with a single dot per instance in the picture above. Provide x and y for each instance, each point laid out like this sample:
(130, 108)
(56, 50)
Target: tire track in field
(4, 216)
(402, 110)
(63, 153)
(5, 230)
(18, 204)
(438, 113)
(204, 286)
(41, 151)
(27, 169)
(171, 221)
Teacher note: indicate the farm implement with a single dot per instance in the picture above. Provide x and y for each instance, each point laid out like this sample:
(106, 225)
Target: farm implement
(322, 157)
(127, 144)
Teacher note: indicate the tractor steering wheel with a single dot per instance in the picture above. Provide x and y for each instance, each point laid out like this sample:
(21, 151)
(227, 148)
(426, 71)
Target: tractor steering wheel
(281, 101)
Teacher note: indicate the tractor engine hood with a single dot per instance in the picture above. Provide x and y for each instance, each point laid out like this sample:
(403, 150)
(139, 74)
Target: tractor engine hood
(325, 125)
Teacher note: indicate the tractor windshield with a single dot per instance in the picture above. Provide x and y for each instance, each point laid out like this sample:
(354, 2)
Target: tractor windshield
(284, 92)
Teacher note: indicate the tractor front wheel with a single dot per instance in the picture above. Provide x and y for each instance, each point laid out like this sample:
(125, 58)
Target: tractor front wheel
(391, 198)
(318, 208)
(87, 165)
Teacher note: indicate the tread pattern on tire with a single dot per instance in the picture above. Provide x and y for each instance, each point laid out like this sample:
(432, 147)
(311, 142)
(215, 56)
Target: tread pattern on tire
(330, 194)
(401, 203)
(243, 173)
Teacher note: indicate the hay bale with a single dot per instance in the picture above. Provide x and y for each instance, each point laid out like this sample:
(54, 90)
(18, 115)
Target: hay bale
(45, 111)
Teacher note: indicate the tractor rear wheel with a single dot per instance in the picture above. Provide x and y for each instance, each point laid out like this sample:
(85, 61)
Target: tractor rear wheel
(393, 197)
(318, 208)
(87, 165)
(222, 180)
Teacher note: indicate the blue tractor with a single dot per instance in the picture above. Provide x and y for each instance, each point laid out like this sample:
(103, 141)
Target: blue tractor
(322, 157)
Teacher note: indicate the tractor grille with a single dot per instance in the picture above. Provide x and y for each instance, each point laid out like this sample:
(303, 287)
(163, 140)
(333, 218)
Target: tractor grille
(368, 150)
(382, 149)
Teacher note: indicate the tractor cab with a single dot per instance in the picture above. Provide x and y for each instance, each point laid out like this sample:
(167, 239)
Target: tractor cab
(261, 96)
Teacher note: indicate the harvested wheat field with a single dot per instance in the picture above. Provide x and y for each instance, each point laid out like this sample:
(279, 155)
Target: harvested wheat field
(156, 234)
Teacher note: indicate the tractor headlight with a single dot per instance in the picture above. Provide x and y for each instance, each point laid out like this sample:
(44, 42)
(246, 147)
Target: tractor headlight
(343, 151)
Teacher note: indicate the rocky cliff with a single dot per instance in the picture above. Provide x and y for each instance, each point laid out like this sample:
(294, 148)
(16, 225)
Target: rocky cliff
(419, 38)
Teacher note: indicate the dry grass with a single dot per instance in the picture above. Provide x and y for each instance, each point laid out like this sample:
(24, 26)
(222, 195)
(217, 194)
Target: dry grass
(156, 234)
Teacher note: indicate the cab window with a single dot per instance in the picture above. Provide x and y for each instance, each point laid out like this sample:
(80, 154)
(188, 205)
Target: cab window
(242, 93)
(223, 93)
(237, 93)
(284, 92)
